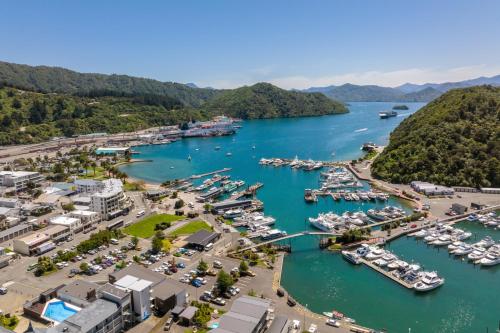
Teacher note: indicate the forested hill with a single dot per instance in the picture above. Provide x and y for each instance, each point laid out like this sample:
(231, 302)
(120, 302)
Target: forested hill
(264, 100)
(454, 140)
(61, 80)
(30, 117)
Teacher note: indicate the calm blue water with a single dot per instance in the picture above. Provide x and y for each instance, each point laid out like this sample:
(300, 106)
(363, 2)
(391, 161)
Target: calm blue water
(58, 311)
(319, 278)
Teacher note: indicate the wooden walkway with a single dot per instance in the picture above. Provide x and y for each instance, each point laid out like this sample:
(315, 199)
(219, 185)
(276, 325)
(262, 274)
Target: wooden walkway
(210, 173)
(386, 273)
(298, 234)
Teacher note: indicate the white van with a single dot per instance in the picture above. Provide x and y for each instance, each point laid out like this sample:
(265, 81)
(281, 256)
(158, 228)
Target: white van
(113, 241)
(141, 213)
(209, 246)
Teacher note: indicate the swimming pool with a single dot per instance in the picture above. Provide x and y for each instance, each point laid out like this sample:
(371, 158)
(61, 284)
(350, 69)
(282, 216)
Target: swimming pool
(58, 311)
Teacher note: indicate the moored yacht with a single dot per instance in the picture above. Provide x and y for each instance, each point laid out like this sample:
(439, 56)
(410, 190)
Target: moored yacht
(491, 258)
(428, 281)
(352, 257)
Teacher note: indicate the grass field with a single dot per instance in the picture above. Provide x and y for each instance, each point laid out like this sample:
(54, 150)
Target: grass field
(146, 227)
(191, 228)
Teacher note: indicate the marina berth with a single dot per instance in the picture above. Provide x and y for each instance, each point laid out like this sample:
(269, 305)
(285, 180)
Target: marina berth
(428, 281)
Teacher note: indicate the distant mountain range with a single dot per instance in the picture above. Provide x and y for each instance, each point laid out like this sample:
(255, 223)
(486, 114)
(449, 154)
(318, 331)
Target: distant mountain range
(407, 92)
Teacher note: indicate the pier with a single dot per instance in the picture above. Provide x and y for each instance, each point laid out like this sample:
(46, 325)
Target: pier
(250, 191)
(386, 273)
(210, 173)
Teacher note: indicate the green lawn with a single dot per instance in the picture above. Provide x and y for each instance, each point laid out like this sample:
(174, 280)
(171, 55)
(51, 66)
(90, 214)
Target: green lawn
(191, 228)
(146, 227)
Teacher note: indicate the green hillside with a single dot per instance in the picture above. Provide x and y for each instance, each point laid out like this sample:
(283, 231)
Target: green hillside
(454, 140)
(264, 100)
(61, 80)
(28, 117)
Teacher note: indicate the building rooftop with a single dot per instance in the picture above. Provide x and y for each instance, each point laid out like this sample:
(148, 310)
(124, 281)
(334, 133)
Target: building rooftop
(80, 289)
(251, 306)
(108, 288)
(166, 289)
(83, 212)
(138, 272)
(202, 237)
(189, 312)
(14, 229)
(64, 220)
(14, 174)
(133, 283)
(88, 317)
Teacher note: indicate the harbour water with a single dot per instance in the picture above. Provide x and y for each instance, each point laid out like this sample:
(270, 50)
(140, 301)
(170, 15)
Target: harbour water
(321, 279)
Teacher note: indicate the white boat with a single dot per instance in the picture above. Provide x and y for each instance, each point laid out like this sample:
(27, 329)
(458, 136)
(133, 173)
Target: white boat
(233, 213)
(463, 250)
(397, 264)
(363, 250)
(477, 253)
(380, 262)
(420, 234)
(389, 257)
(491, 258)
(442, 240)
(453, 246)
(429, 281)
(374, 253)
(352, 257)
(485, 242)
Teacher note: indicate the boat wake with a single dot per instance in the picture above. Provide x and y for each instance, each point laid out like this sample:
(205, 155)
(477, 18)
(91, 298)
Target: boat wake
(403, 114)
(361, 130)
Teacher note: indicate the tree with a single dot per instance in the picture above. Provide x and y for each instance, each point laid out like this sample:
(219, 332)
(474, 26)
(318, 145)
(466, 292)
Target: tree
(94, 166)
(84, 267)
(224, 281)
(243, 267)
(156, 244)
(179, 204)
(202, 266)
(135, 241)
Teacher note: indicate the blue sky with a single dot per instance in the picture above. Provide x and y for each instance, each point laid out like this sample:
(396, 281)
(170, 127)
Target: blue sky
(293, 44)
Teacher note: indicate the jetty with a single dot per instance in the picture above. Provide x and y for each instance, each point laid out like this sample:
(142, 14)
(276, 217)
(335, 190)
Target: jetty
(210, 173)
(386, 273)
(250, 191)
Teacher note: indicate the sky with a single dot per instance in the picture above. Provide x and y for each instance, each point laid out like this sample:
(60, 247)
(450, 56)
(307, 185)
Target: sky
(230, 43)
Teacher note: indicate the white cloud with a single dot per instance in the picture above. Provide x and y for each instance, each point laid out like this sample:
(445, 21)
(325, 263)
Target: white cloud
(388, 79)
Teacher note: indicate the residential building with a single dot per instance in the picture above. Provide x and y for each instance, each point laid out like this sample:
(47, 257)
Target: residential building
(88, 186)
(87, 217)
(80, 293)
(110, 201)
(19, 179)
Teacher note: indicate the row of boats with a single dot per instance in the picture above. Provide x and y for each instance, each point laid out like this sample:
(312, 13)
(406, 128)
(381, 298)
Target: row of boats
(258, 225)
(307, 165)
(488, 220)
(337, 178)
(485, 252)
(331, 222)
(410, 274)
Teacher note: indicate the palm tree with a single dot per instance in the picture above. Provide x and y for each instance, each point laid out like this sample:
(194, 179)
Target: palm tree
(94, 166)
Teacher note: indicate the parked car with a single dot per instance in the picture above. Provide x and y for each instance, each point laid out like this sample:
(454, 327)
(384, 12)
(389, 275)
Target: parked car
(217, 264)
(168, 324)
(3, 291)
(219, 301)
(313, 328)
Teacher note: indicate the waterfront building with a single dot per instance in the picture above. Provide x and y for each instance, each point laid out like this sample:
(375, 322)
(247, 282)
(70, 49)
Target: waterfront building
(88, 186)
(110, 201)
(112, 150)
(247, 315)
(19, 180)
(431, 189)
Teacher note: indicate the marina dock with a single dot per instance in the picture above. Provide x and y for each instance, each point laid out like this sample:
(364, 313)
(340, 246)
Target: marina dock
(386, 273)
(210, 173)
(251, 190)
